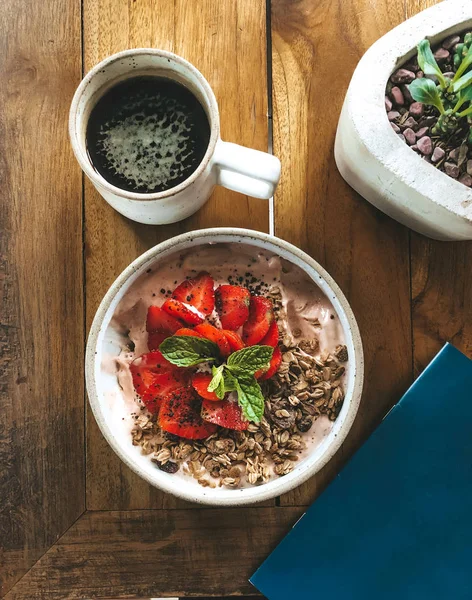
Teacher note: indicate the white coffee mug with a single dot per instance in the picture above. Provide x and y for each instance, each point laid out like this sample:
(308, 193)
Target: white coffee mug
(235, 167)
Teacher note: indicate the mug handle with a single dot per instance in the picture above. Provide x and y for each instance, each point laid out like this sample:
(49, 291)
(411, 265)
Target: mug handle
(246, 170)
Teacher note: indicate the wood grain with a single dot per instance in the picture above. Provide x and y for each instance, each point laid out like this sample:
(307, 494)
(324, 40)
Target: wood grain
(315, 48)
(442, 297)
(41, 280)
(441, 284)
(226, 41)
(157, 553)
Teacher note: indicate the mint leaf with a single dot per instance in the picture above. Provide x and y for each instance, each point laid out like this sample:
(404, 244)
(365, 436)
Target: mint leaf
(428, 63)
(230, 382)
(217, 373)
(217, 384)
(187, 351)
(425, 91)
(250, 360)
(250, 398)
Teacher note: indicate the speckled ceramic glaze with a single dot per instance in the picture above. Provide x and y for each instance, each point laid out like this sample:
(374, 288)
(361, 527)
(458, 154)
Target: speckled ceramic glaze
(101, 339)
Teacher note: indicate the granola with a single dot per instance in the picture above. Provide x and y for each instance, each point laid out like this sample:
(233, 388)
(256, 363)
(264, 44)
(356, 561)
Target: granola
(307, 386)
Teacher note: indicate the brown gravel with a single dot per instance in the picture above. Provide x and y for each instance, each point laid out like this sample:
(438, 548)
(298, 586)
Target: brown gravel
(408, 117)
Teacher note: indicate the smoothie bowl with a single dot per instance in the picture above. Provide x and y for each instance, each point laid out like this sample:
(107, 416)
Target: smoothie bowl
(224, 366)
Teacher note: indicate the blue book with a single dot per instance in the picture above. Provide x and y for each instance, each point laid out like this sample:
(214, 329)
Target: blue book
(396, 523)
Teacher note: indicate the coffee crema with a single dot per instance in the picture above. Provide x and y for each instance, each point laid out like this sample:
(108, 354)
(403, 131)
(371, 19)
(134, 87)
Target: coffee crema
(147, 134)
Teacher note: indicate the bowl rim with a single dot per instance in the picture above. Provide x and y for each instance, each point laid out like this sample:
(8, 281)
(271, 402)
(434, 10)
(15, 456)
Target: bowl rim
(276, 487)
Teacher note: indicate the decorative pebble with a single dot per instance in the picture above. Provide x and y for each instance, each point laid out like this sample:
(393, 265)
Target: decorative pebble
(395, 127)
(410, 136)
(451, 169)
(466, 179)
(411, 65)
(402, 76)
(393, 114)
(410, 122)
(421, 132)
(388, 104)
(441, 54)
(419, 74)
(469, 167)
(454, 154)
(438, 153)
(402, 137)
(414, 147)
(449, 74)
(425, 145)
(451, 41)
(406, 93)
(427, 121)
(397, 96)
(416, 109)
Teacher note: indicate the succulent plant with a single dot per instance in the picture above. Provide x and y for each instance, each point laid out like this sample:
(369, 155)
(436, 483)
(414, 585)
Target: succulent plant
(451, 97)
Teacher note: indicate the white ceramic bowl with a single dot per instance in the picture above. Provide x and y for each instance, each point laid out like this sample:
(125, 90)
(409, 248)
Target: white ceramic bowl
(103, 338)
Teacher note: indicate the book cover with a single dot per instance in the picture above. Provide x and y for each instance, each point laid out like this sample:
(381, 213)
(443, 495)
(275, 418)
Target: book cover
(396, 523)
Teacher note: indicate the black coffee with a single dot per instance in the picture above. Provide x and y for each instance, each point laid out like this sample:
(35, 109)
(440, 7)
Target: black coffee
(147, 134)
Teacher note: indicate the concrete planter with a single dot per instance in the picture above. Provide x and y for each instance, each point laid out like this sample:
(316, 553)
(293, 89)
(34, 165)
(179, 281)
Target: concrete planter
(371, 157)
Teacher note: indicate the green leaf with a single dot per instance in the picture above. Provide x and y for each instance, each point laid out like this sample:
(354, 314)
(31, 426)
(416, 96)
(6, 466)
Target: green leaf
(466, 112)
(250, 398)
(425, 91)
(230, 382)
(187, 351)
(220, 390)
(217, 373)
(465, 64)
(464, 95)
(250, 359)
(428, 63)
(217, 384)
(462, 83)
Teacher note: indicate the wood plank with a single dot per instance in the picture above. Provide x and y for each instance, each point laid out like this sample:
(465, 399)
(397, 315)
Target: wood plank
(151, 554)
(41, 279)
(226, 41)
(442, 297)
(315, 48)
(441, 284)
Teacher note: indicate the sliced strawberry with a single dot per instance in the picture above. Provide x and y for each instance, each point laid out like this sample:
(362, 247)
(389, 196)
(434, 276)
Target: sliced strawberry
(142, 378)
(187, 331)
(197, 292)
(215, 335)
(181, 310)
(271, 338)
(180, 415)
(261, 316)
(232, 305)
(162, 384)
(224, 413)
(234, 340)
(160, 321)
(273, 366)
(155, 339)
(153, 361)
(147, 369)
(200, 382)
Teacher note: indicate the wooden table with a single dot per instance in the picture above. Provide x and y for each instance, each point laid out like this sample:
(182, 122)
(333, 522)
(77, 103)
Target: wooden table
(74, 521)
